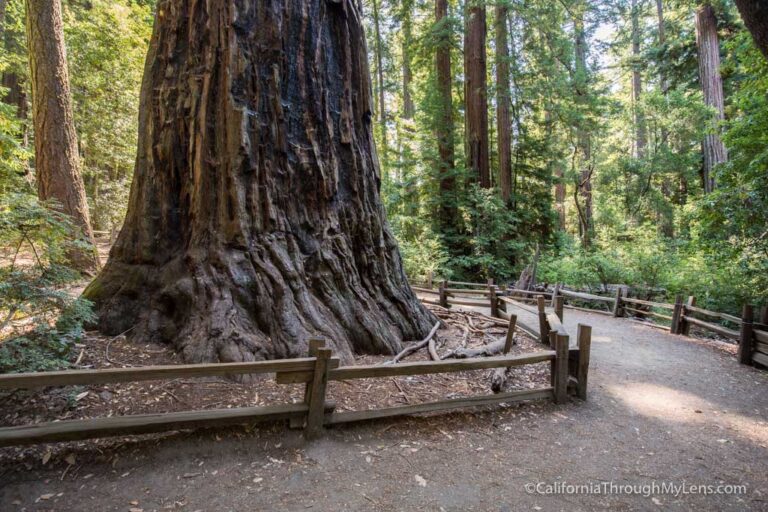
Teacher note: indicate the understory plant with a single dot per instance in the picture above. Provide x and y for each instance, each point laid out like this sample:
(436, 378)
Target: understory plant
(40, 318)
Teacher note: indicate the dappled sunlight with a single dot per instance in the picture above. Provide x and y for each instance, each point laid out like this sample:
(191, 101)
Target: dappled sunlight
(676, 406)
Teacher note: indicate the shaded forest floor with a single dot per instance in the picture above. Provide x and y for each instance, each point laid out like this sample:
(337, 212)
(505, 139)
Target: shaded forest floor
(96, 351)
(662, 408)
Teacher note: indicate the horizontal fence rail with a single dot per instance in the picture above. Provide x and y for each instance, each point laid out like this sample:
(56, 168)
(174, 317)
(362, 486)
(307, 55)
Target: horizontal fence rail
(313, 413)
(752, 336)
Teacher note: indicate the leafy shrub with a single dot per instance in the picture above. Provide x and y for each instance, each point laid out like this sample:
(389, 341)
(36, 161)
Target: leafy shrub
(40, 319)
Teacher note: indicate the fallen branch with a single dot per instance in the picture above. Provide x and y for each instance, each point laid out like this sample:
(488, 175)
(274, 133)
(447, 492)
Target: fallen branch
(491, 349)
(416, 346)
(433, 350)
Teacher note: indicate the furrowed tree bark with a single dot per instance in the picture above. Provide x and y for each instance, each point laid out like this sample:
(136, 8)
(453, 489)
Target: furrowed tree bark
(755, 16)
(57, 163)
(254, 221)
(503, 119)
(444, 122)
(475, 94)
(708, 47)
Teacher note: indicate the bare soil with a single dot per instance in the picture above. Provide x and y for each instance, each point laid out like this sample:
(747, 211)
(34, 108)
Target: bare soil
(661, 409)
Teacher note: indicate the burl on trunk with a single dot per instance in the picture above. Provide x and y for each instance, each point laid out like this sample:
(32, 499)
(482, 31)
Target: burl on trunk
(255, 220)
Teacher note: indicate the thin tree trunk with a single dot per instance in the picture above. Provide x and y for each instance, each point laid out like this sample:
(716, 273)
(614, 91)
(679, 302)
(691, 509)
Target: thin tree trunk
(755, 16)
(444, 125)
(409, 109)
(665, 219)
(382, 108)
(637, 84)
(503, 119)
(708, 47)
(584, 140)
(254, 221)
(56, 157)
(662, 42)
(476, 95)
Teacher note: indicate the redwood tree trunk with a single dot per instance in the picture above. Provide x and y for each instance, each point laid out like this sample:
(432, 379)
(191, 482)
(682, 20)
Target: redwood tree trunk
(476, 95)
(409, 109)
(637, 84)
(254, 220)
(755, 16)
(503, 119)
(708, 47)
(583, 189)
(382, 109)
(444, 125)
(56, 154)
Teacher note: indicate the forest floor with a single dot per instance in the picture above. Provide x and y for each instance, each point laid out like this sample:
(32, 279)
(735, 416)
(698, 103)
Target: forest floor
(661, 409)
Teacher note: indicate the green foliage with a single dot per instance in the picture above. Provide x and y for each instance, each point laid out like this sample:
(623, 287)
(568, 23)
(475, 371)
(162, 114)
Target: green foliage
(40, 318)
(107, 45)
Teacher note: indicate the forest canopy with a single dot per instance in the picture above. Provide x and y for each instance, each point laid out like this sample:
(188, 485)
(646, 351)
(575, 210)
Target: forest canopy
(611, 141)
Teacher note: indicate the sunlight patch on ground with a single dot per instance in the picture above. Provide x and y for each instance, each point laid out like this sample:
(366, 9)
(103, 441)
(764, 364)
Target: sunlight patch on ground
(672, 405)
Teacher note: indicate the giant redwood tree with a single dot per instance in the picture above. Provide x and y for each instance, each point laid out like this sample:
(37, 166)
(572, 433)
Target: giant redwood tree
(254, 220)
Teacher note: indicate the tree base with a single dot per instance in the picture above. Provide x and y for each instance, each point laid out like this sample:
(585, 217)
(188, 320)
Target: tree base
(232, 306)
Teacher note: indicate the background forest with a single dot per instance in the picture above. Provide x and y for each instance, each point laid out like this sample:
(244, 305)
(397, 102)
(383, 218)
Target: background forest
(611, 141)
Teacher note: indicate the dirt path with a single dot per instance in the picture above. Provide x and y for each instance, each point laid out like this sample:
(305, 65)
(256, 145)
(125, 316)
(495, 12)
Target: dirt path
(662, 408)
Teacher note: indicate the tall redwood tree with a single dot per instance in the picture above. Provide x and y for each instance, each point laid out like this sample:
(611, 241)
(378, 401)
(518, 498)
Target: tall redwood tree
(476, 93)
(708, 46)
(57, 161)
(254, 219)
(444, 126)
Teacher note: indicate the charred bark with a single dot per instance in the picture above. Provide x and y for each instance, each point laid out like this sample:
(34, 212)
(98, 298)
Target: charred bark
(708, 46)
(254, 220)
(57, 163)
(476, 94)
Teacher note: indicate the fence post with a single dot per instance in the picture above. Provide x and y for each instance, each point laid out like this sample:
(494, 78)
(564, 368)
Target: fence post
(617, 311)
(490, 281)
(543, 324)
(509, 341)
(685, 327)
(429, 279)
(745, 336)
(678, 312)
(494, 301)
(764, 315)
(443, 294)
(316, 412)
(559, 300)
(561, 368)
(553, 363)
(313, 345)
(584, 335)
(555, 293)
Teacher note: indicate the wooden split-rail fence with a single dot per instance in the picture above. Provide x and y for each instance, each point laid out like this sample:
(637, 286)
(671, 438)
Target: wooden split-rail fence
(315, 412)
(749, 332)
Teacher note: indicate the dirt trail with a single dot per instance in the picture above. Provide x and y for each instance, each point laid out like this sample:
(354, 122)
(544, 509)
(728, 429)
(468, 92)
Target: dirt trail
(661, 408)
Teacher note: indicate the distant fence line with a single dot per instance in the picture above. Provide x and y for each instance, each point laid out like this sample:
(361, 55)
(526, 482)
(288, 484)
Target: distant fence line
(751, 333)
